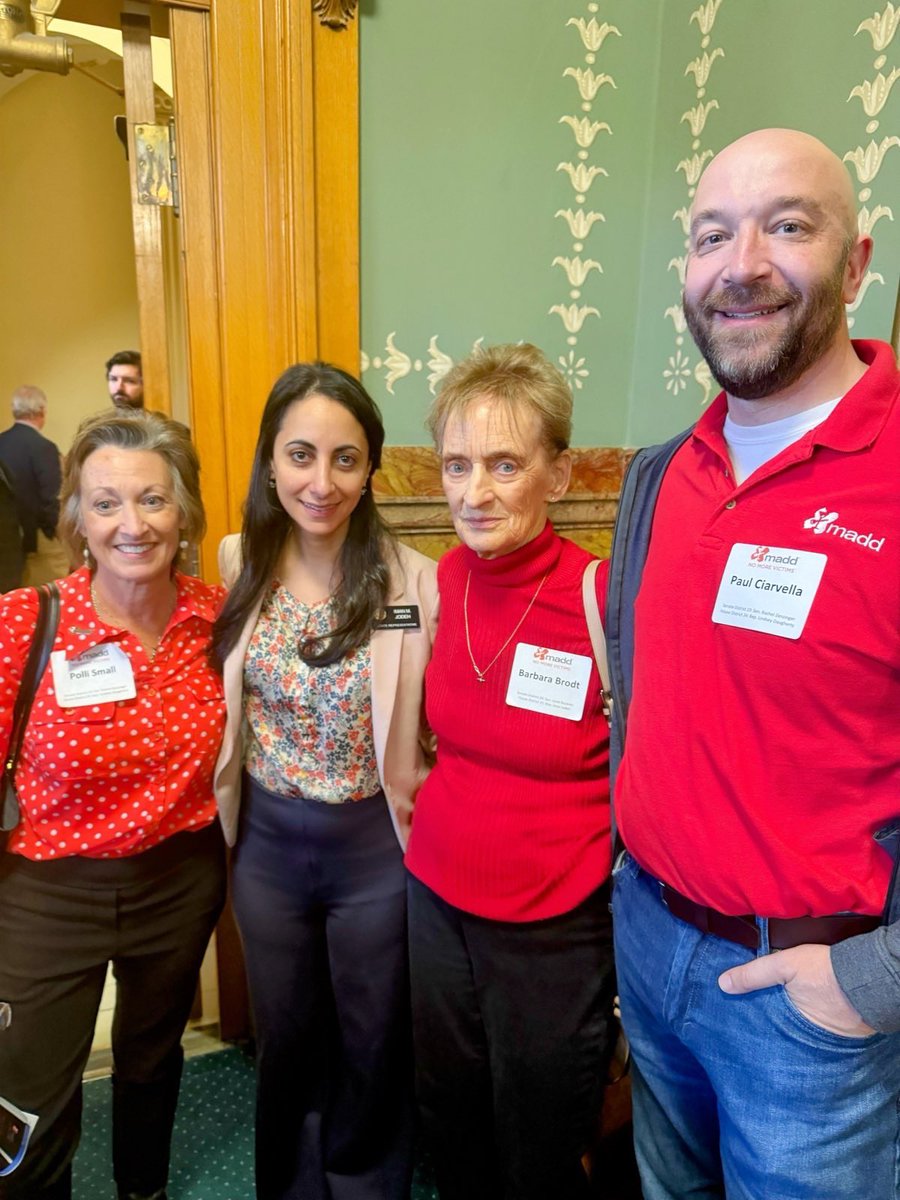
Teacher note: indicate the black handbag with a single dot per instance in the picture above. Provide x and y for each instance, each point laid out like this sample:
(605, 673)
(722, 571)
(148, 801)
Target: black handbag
(35, 665)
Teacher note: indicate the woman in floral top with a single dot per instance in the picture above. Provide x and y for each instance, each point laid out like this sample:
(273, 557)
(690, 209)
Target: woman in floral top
(323, 644)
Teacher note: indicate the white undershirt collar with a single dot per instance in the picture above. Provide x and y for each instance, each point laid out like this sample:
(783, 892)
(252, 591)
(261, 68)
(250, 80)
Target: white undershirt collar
(749, 446)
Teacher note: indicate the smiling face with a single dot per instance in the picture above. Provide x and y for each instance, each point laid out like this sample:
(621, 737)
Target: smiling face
(773, 260)
(129, 515)
(320, 464)
(498, 476)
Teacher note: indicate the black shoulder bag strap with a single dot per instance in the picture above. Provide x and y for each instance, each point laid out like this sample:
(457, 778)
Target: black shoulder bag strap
(35, 665)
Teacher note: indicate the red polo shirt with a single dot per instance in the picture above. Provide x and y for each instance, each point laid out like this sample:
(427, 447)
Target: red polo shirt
(757, 768)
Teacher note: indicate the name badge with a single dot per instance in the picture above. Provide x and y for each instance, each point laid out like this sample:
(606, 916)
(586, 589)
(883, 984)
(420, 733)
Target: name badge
(397, 617)
(15, 1131)
(103, 673)
(768, 588)
(549, 681)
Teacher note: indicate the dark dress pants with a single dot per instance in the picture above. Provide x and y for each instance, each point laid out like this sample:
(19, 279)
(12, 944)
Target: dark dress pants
(513, 1029)
(61, 923)
(320, 899)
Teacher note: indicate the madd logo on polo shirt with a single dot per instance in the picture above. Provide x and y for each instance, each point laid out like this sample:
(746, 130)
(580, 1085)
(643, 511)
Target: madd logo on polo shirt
(823, 521)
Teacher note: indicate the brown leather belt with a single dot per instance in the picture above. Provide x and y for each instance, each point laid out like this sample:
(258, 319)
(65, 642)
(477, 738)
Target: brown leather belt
(783, 932)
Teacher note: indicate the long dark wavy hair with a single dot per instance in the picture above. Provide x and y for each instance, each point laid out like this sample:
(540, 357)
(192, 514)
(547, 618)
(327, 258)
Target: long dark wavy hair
(363, 560)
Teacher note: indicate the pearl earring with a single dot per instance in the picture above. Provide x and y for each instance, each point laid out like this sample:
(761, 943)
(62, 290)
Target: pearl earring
(183, 544)
(85, 553)
(271, 481)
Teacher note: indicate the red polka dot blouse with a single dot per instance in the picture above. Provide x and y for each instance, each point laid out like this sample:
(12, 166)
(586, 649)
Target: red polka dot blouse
(114, 778)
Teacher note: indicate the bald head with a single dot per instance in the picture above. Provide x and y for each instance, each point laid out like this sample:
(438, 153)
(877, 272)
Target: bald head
(805, 166)
(775, 255)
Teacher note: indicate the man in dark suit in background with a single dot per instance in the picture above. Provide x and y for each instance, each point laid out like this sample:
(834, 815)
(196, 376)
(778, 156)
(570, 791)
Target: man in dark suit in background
(33, 464)
(11, 557)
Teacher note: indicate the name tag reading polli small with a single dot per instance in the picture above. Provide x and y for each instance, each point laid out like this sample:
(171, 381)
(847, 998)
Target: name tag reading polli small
(99, 675)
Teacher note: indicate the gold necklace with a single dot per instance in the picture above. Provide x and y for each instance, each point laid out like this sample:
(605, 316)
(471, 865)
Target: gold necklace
(150, 647)
(479, 674)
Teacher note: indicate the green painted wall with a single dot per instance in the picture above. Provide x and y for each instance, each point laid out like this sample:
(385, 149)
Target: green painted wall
(525, 162)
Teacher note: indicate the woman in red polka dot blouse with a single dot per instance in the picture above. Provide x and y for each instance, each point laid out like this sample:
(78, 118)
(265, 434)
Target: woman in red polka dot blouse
(117, 856)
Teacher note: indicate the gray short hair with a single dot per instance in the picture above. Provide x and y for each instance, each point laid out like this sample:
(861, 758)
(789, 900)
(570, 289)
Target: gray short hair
(134, 429)
(28, 401)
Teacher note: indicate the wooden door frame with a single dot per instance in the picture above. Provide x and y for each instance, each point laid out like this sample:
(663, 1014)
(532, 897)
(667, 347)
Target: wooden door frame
(267, 128)
(270, 211)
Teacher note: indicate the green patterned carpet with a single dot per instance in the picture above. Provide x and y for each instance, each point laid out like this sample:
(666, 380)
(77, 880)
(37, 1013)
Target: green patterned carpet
(212, 1152)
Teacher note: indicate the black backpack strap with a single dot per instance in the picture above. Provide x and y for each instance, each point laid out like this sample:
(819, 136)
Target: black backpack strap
(888, 839)
(631, 539)
(38, 656)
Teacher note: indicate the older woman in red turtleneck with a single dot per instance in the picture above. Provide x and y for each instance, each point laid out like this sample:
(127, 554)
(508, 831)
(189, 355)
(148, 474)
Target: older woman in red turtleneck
(509, 857)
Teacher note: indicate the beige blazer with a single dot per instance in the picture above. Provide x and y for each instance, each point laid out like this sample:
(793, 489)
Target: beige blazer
(399, 658)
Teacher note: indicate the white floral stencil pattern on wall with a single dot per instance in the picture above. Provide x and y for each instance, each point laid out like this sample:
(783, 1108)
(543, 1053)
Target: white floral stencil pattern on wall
(579, 269)
(867, 161)
(581, 215)
(681, 368)
(397, 364)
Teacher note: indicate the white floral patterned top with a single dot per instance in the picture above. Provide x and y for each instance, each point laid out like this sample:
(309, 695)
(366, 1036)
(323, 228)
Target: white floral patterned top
(309, 729)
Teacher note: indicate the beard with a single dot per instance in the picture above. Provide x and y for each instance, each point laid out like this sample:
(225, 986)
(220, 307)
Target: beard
(120, 400)
(752, 364)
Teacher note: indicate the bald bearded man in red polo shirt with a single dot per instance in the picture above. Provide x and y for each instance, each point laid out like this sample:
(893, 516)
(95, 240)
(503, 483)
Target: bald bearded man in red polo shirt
(759, 789)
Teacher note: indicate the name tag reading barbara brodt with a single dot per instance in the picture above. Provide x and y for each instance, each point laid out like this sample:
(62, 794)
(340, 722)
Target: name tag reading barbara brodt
(548, 681)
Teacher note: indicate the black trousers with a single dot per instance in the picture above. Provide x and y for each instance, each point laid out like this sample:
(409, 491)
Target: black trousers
(320, 898)
(513, 1029)
(61, 923)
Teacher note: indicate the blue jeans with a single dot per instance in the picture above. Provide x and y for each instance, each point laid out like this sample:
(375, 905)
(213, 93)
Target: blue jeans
(742, 1096)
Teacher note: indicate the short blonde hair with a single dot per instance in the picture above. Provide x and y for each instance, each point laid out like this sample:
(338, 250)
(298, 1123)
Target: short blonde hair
(134, 429)
(514, 375)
